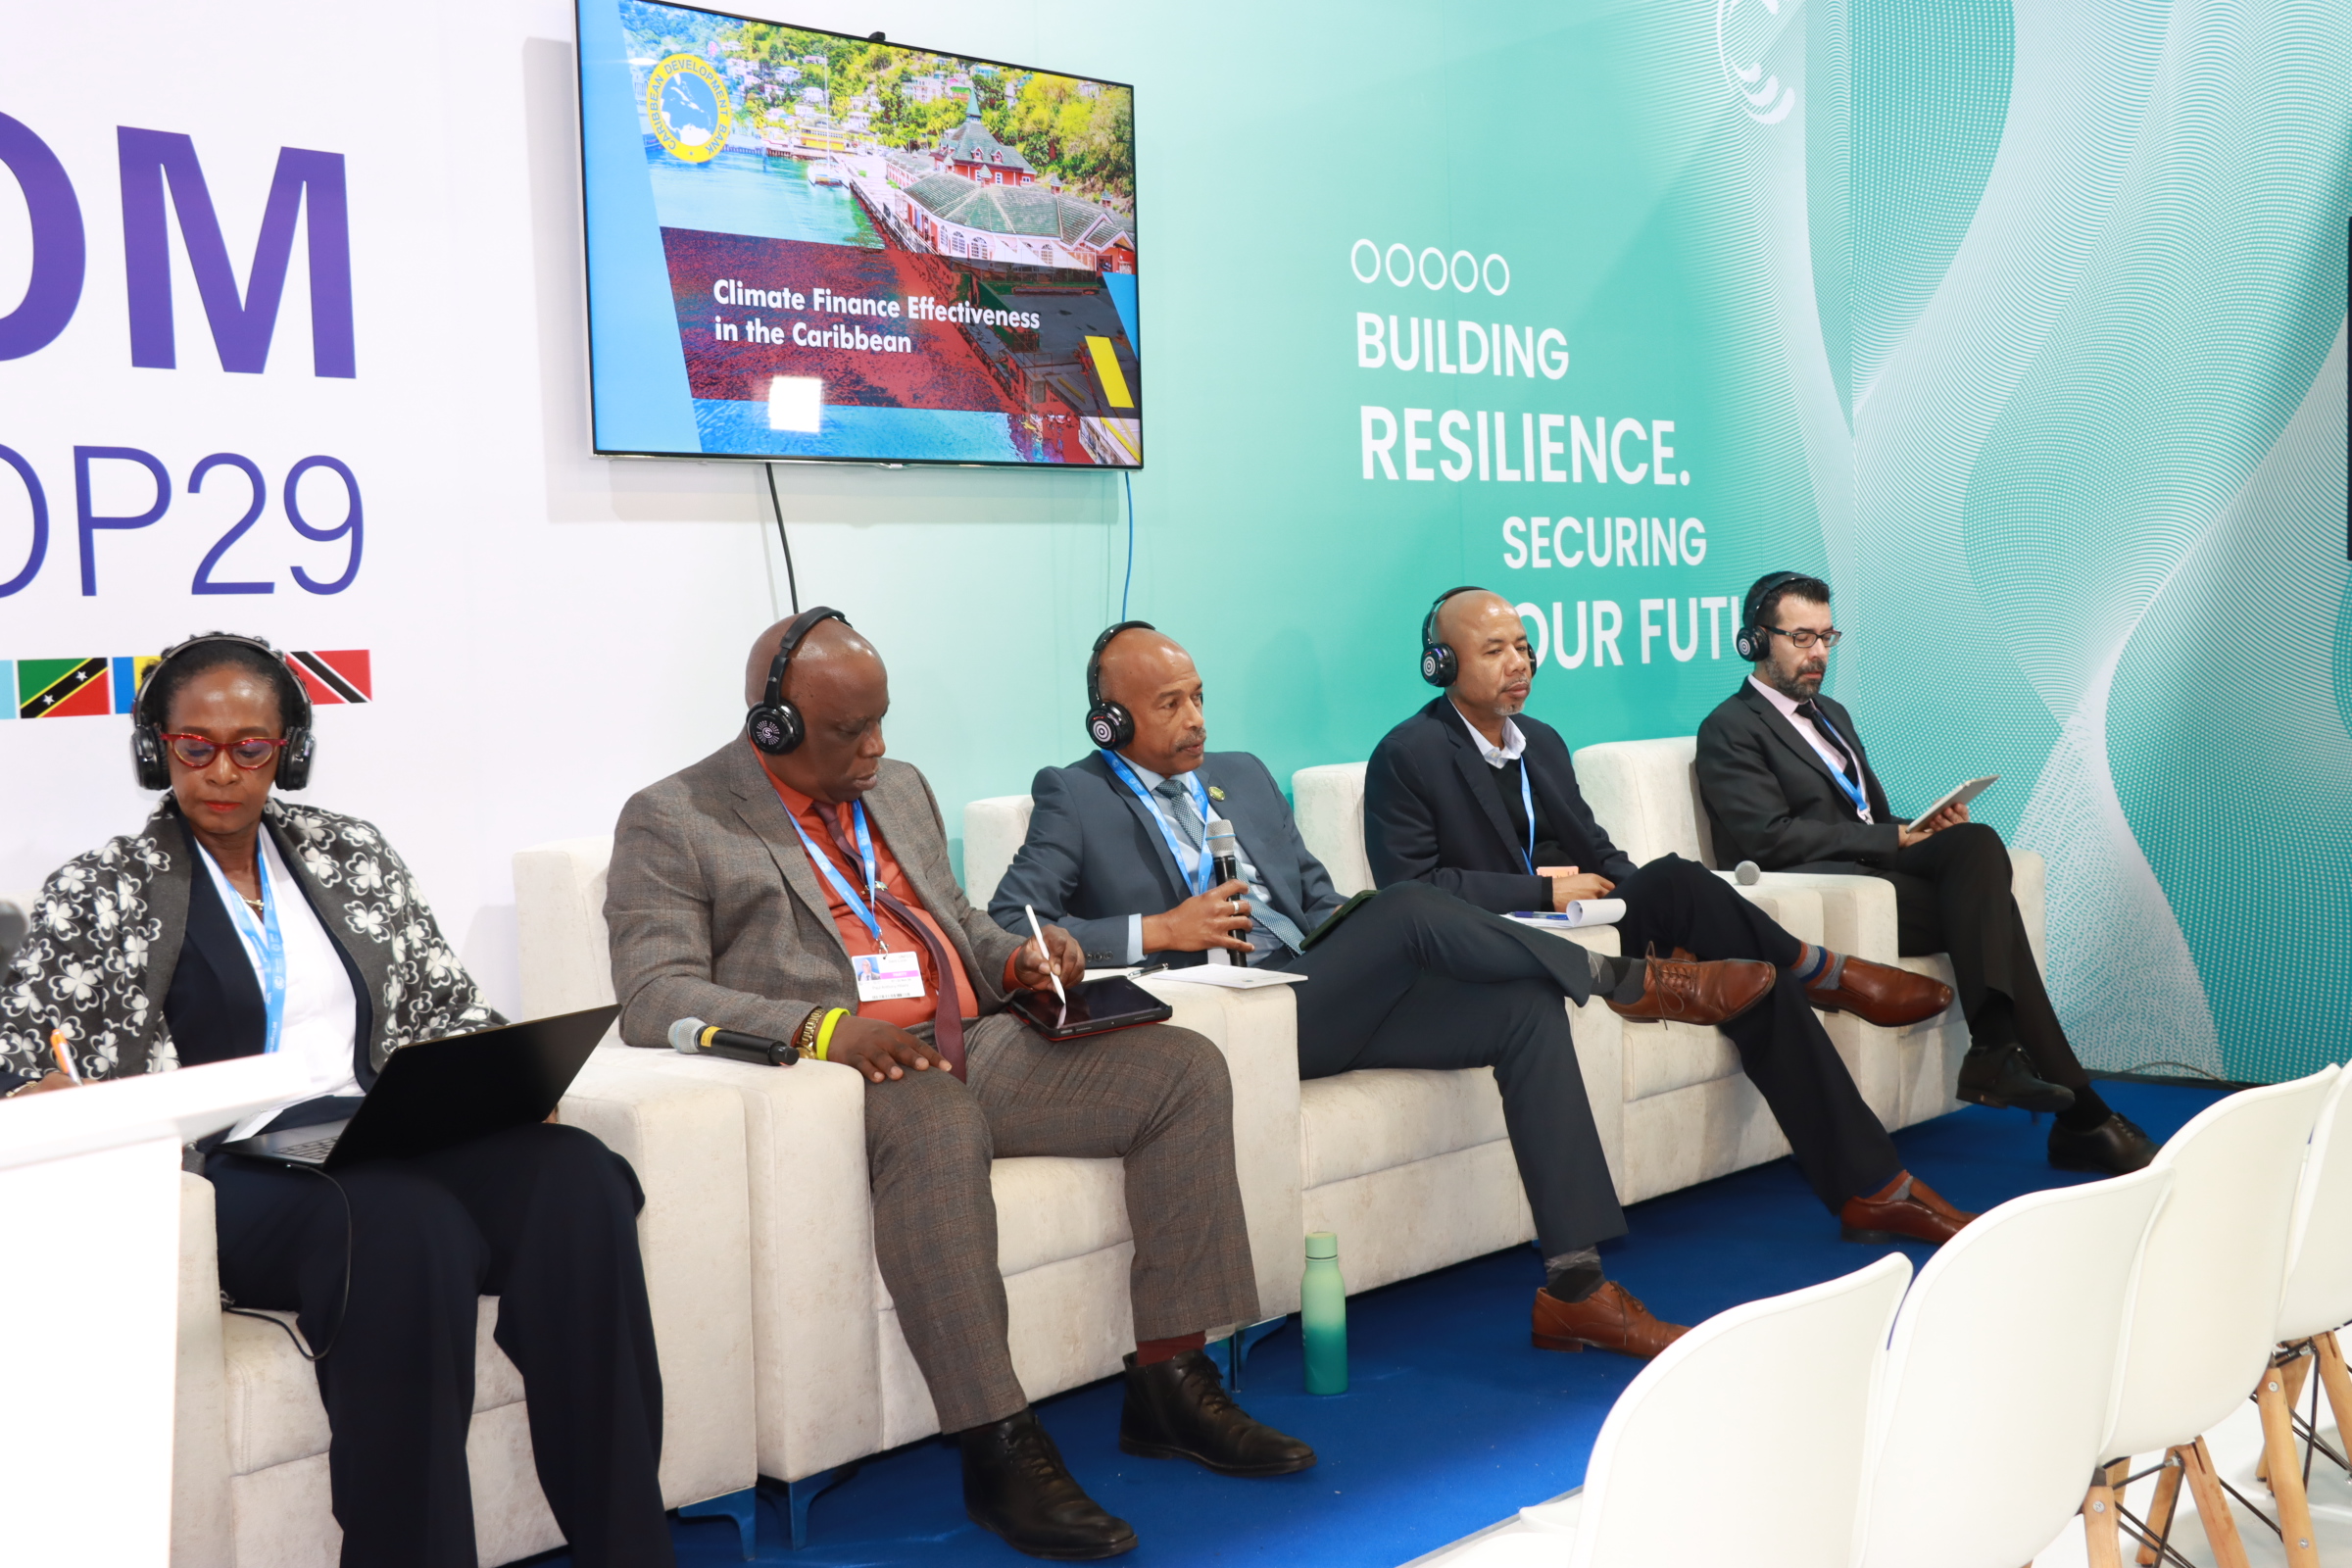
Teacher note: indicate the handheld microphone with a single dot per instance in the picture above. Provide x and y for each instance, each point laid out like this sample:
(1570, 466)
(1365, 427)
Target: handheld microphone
(1224, 865)
(691, 1037)
(1746, 873)
(1224, 856)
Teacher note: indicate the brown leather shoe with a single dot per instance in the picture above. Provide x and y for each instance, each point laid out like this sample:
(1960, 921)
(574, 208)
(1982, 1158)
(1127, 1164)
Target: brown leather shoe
(1878, 993)
(1685, 990)
(1609, 1319)
(1919, 1216)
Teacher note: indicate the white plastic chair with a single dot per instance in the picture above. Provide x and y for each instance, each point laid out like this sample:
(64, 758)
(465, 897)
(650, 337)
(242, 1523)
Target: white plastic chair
(1742, 1443)
(2206, 1314)
(2001, 1379)
(2317, 1299)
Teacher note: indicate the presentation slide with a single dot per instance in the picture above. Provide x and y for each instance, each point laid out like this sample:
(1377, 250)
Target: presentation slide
(807, 245)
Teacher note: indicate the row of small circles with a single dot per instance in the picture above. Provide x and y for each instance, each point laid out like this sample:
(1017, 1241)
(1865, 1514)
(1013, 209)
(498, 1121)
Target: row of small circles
(1401, 267)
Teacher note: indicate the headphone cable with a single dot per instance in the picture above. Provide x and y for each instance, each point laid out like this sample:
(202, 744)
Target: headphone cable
(792, 583)
(228, 1304)
(1127, 477)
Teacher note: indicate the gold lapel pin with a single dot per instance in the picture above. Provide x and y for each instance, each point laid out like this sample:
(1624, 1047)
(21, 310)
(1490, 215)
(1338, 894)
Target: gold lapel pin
(1215, 794)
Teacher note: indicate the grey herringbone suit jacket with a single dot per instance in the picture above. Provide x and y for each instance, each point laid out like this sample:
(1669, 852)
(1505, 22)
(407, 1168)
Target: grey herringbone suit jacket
(715, 913)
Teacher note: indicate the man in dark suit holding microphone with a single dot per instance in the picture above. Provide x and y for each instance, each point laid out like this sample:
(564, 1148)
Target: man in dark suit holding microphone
(1788, 785)
(1118, 854)
(1473, 796)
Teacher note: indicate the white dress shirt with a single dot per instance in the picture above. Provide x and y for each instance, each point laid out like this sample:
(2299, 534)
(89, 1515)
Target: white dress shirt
(1498, 758)
(321, 1015)
(1828, 748)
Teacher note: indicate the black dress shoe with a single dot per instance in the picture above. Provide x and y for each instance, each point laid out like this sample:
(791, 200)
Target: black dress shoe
(2115, 1146)
(1179, 1409)
(1015, 1484)
(2000, 1077)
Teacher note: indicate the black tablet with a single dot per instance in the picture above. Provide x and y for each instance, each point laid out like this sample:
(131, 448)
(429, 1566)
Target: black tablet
(1095, 1008)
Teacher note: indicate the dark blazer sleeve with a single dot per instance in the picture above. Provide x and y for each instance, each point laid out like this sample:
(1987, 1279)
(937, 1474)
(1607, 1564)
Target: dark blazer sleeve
(1746, 797)
(1317, 896)
(1400, 839)
(1046, 872)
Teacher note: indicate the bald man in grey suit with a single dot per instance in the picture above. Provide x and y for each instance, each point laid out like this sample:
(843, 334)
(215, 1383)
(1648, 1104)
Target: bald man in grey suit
(742, 892)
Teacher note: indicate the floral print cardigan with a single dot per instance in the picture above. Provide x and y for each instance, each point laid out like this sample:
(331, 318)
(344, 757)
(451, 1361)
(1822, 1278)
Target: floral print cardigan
(106, 931)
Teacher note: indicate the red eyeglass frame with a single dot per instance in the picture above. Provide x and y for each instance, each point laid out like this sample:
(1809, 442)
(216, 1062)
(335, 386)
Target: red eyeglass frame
(169, 738)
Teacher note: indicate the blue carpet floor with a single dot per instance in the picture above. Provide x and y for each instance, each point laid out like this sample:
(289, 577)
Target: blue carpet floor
(1451, 1420)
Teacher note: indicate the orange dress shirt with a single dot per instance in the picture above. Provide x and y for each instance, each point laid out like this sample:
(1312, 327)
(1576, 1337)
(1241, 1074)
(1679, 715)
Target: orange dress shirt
(903, 1011)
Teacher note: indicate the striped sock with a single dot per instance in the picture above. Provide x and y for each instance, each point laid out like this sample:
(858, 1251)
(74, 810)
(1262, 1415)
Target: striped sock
(1811, 963)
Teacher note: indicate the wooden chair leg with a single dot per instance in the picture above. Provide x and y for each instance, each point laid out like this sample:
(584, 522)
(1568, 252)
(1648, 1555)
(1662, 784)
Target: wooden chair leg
(2286, 1471)
(2101, 1532)
(2161, 1509)
(2337, 1381)
(2213, 1506)
(2296, 1373)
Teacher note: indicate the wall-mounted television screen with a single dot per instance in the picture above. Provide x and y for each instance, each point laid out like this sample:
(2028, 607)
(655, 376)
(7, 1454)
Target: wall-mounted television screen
(803, 244)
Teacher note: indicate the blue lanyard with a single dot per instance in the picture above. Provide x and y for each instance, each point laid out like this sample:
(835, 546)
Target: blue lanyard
(1853, 791)
(265, 941)
(841, 884)
(1196, 869)
(1527, 804)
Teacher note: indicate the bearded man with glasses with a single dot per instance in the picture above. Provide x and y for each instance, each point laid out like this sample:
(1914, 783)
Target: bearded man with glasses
(1788, 785)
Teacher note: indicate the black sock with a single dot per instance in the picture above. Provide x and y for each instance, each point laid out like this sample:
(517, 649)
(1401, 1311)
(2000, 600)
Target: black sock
(1994, 1025)
(2086, 1112)
(1610, 971)
(1572, 1276)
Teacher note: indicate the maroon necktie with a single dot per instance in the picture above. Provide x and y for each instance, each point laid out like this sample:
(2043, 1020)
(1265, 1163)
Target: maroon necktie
(947, 1018)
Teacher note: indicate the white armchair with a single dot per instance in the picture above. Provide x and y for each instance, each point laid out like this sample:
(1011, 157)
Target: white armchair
(1645, 793)
(1063, 1242)
(249, 1458)
(1673, 1105)
(1413, 1169)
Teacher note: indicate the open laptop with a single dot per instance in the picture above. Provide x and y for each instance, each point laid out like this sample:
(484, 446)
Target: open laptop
(437, 1093)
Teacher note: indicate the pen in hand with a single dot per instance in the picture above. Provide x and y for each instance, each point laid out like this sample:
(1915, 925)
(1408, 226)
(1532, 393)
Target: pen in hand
(1045, 955)
(64, 1055)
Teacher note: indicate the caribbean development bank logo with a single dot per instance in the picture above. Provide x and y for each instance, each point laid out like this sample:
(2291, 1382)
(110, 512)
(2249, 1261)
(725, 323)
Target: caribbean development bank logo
(92, 688)
(1743, 31)
(686, 99)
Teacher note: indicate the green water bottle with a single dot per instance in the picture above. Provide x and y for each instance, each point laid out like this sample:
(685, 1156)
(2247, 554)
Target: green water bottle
(1323, 1315)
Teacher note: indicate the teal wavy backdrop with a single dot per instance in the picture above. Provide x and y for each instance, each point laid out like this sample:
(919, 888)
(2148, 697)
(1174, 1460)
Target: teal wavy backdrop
(2024, 322)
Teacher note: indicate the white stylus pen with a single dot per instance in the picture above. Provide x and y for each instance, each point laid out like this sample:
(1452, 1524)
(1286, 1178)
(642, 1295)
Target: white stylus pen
(1046, 954)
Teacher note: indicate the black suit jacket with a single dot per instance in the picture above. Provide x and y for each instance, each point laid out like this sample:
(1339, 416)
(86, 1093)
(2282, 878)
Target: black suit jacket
(1772, 798)
(1430, 815)
(1095, 856)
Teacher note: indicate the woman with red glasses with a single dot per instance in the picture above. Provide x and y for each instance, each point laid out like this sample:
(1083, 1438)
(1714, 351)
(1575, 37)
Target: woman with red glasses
(234, 924)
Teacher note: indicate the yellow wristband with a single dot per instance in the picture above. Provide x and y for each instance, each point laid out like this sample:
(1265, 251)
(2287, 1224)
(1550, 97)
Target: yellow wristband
(824, 1031)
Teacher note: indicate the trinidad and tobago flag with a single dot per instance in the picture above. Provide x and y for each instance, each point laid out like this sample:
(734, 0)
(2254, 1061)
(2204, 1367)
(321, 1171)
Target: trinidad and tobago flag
(84, 687)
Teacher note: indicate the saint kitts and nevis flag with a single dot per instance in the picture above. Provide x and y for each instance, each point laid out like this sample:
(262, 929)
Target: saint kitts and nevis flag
(89, 688)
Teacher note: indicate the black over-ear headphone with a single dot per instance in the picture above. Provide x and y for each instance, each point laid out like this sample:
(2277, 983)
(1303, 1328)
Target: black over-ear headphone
(1440, 665)
(774, 724)
(1107, 725)
(147, 726)
(1753, 641)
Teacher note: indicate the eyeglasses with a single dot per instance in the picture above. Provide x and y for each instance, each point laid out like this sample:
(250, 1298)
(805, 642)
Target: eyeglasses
(1805, 637)
(252, 754)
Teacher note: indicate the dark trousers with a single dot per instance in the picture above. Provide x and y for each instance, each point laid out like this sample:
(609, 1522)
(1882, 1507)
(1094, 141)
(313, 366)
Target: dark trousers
(1953, 894)
(1156, 1098)
(1839, 1143)
(542, 1217)
(1418, 978)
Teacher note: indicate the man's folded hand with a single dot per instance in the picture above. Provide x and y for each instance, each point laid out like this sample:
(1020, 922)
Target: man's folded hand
(880, 1051)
